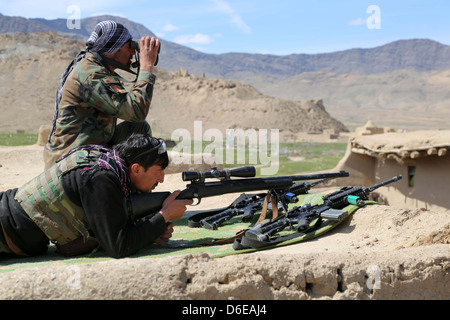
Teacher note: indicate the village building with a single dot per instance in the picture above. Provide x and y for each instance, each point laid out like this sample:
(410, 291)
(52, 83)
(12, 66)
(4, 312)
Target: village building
(421, 157)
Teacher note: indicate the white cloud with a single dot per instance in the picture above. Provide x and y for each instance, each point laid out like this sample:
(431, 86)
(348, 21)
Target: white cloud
(225, 8)
(357, 22)
(170, 27)
(198, 38)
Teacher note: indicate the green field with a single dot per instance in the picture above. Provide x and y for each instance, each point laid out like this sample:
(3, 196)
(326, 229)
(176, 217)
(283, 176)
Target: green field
(292, 158)
(17, 139)
(317, 156)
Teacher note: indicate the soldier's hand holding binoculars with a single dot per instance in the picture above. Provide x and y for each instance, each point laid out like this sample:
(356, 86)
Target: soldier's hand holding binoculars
(148, 55)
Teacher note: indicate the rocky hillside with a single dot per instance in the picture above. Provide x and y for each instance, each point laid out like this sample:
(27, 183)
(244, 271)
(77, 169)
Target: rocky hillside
(400, 99)
(31, 66)
(223, 104)
(23, 25)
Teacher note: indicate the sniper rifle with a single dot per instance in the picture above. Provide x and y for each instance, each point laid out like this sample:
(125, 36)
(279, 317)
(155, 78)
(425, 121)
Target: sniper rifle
(141, 205)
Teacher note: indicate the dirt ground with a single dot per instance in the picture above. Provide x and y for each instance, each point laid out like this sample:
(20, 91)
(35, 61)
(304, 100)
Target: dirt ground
(381, 252)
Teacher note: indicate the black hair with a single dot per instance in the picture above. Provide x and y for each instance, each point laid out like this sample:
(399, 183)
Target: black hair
(135, 150)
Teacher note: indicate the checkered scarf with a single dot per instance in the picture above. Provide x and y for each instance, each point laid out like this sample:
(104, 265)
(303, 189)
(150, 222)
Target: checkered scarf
(107, 38)
(108, 160)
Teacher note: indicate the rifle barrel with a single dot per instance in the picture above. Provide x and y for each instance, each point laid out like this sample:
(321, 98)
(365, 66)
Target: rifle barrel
(214, 188)
(320, 176)
(383, 183)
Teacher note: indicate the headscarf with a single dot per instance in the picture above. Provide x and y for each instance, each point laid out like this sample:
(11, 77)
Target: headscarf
(107, 38)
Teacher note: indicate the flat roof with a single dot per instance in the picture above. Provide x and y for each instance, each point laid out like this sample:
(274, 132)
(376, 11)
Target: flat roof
(396, 145)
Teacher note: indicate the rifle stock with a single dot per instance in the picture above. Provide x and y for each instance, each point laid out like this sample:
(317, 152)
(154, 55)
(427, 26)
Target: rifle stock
(141, 205)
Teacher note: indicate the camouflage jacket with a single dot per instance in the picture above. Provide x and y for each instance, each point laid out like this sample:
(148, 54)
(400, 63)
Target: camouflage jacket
(93, 98)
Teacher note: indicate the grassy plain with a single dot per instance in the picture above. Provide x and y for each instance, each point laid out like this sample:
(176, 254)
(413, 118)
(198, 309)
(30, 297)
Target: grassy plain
(293, 158)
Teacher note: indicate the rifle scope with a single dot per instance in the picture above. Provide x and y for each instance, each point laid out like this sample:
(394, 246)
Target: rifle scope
(249, 171)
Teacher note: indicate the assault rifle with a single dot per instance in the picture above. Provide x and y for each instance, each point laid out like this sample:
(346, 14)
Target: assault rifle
(253, 203)
(141, 205)
(302, 217)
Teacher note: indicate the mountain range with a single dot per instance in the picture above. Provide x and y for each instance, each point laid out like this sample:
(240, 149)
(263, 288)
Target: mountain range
(346, 80)
(415, 54)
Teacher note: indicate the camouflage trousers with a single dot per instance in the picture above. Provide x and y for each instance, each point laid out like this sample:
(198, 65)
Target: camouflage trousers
(121, 132)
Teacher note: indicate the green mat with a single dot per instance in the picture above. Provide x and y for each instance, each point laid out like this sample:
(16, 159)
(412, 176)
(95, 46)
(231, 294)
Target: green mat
(182, 236)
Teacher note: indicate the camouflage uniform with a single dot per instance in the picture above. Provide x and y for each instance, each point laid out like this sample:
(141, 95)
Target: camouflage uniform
(93, 98)
(45, 201)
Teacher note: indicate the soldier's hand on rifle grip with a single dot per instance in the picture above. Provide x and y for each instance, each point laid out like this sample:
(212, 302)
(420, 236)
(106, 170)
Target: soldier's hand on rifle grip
(173, 209)
(149, 47)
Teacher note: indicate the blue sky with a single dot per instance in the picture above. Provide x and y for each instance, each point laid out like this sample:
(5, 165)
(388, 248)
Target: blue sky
(263, 26)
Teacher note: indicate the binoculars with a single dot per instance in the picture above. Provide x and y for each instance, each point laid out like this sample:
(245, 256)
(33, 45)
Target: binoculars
(135, 44)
